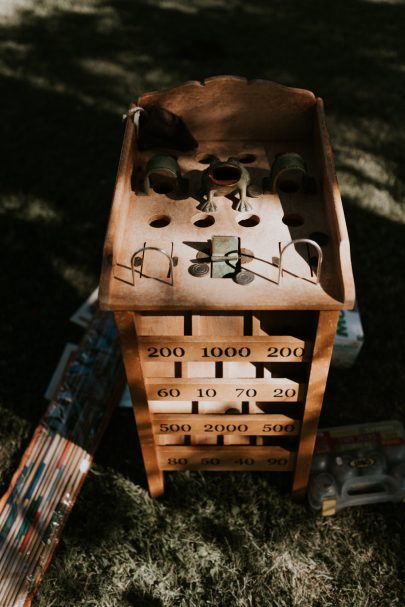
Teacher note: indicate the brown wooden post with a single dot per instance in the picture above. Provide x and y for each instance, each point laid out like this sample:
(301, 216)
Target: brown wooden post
(133, 370)
(322, 352)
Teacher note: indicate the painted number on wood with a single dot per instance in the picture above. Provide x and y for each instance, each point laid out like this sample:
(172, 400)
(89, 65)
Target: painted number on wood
(244, 462)
(249, 392)
(164, 392)
(272, 461)
(278, 428)
(175, 427)
(177, 352)
(285, 352)
(287, 393)
(229, 352)
(225, 428)
(277, 461)
(240, 393)
(256, 351)
(174, 461)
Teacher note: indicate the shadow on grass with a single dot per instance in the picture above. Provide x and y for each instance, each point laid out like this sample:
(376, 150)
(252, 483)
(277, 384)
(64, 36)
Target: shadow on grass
(230, 540)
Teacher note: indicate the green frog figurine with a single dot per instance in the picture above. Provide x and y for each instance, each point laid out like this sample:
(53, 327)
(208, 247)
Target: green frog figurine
(223, 178)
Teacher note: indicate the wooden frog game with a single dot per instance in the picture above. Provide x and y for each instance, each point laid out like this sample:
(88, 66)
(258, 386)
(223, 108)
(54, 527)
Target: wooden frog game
(226, 263)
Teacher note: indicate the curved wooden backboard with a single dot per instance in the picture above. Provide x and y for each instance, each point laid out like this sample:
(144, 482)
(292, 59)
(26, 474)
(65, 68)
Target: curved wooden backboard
(232, 108)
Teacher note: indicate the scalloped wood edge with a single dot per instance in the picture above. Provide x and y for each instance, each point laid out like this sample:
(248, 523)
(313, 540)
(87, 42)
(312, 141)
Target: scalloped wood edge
(220, 98)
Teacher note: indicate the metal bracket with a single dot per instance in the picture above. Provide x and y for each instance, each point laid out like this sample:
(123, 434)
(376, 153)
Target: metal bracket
(292, 166)
(224, 250)
(165, 167)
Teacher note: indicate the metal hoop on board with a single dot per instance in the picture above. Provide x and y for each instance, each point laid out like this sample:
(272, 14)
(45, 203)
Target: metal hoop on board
(298, 241)
(169, 257)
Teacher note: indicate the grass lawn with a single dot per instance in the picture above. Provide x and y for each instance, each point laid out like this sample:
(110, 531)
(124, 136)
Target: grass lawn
(68, 71)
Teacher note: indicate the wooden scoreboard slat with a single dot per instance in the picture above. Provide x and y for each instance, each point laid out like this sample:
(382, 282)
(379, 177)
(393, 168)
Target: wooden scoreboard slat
(202, 388)
(225, 349)
(236, 458)
(249, 425)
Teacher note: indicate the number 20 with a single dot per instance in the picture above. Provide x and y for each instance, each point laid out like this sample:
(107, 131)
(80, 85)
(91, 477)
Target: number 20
(288, 393)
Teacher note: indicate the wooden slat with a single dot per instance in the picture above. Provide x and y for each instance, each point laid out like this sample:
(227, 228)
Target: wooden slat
(153, 325)
(236, 439)
(217, 407)
(272, 459)
(226, 324)
(222, 325)
(316, 387)
(272, 390)
(224, 348)
(126, 326)
(159, 324)
(267, 425)
(168, 406)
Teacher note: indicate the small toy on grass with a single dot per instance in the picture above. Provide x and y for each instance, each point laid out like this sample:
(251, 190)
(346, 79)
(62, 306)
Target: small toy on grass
(355, 465)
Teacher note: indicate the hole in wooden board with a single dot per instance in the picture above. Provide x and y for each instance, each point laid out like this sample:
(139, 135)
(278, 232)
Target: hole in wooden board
(320, 238)
(202, 220)
(249, 221)
(205, 158)
(293, 220)
(247, 158)
(159, 221)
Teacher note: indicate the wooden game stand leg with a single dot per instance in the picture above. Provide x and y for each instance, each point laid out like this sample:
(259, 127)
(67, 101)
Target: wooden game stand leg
(133, 369)
(323, 346)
